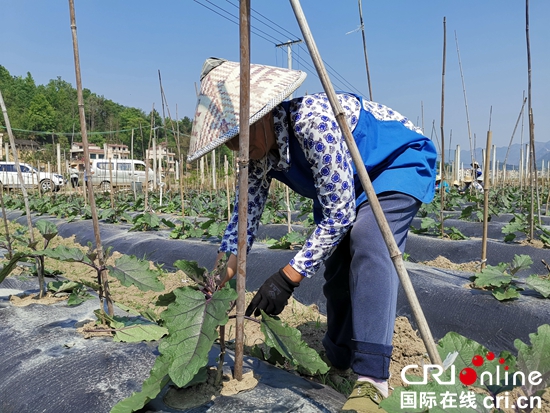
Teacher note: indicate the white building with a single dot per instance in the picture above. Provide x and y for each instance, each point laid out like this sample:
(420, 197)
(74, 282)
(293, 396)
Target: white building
(109, 151)
(163, 154)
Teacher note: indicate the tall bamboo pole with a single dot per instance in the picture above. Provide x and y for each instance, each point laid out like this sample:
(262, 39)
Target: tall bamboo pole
(394, 251)
(99, 248)
(244, 135)
(465, 100)
(365, 48)
(441, 186)
(532, 159)
(514, 131)
(486, 187)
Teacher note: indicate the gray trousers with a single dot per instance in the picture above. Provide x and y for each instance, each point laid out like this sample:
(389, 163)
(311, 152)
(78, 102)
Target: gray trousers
(361, 289)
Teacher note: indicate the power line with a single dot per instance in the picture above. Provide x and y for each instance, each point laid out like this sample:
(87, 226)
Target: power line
(331, 70)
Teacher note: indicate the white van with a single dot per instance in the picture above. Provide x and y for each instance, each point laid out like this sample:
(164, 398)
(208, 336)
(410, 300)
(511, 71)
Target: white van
(31, 177)
(122, 171)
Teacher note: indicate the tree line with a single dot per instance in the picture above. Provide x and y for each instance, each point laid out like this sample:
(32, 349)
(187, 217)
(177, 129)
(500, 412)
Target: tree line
(48, 114)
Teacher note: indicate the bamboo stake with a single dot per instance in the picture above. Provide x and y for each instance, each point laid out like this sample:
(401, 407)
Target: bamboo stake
(367, 186)
(465, 100)
(244, 135)
(146, 183)
(226, 170)
(486, 187)
(441, 186)
(19, 176)
(288, 212)
(104, 291)
(181, 165)
(365, 48)
(111, 195)
(514, 131)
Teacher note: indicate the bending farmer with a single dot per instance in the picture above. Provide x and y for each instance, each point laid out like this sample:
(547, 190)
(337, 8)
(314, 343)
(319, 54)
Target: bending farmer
(299, 143)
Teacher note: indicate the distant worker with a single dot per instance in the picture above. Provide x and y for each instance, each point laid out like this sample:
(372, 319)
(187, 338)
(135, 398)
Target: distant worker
(438, 184)
(476, 170)
(73, 174)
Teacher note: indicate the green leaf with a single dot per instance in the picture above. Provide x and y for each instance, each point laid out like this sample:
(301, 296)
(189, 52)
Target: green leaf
(78, 297)
(467, 349)
(539, 284)
(168, 223)
(288, 342)
(152, 220)
(216, 229)
(8, 268)
(492, 276)
(280, 245)
(129, 310)
(136, 330)
(131, 271)
(192, 322)
(191, 269)
(47, 228)
(165, 300)
(506, 292)
(520, 262)
(60, 286)
(428, 223)
(66, 254)
(152, 386)
(535, 358)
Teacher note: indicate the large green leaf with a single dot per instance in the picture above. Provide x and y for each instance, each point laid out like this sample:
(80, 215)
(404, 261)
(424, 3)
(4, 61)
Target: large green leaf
(152, 220)
(191, 269)
(67, 254)
(535, 358)
(192, 322)
(539, 284)
(467, 349)
(136, 330)
(506, 292)
(520, 262)
(60, 286)
(158, 378)
(8, 267)
(492, 276)
(132, 271)
(47, 228)
(288, 342)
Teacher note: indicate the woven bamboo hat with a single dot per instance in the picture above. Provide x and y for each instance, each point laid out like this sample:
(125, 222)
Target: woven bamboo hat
(217, 115)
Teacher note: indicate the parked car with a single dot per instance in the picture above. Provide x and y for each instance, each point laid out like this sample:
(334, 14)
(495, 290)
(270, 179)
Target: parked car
(120, 172)
(31, 177)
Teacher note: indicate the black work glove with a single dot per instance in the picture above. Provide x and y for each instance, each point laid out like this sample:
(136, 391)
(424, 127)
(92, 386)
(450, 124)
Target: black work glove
(272, 296)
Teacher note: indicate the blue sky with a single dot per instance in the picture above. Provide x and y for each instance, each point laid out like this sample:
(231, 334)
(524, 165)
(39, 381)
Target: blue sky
(123, 45)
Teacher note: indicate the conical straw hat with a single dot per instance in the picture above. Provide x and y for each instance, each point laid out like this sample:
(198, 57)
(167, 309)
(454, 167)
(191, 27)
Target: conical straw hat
(217, 115)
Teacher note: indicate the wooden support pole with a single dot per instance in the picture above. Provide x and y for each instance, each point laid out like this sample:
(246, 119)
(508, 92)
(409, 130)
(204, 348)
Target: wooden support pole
(367, 186)
(244, 135)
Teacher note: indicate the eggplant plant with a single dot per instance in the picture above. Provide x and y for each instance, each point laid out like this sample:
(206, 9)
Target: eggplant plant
(22, 249)
(475, 379)
(501, 279)
(193, 318)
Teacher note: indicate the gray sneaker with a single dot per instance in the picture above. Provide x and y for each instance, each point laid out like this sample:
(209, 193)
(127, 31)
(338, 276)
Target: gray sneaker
(364, 398)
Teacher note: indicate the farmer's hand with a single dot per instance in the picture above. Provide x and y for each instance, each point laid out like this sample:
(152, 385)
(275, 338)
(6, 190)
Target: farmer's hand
(273, 295)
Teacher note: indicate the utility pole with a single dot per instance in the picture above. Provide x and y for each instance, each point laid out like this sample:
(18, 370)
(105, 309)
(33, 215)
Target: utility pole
(289, 52)
(287, 194)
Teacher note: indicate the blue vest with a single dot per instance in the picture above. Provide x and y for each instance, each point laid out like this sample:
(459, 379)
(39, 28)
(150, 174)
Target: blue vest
(397, 159)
